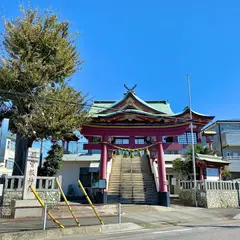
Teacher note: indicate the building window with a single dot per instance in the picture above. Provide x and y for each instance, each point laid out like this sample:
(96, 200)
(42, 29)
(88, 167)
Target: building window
(122, 141)
(169, 139)
(88, 176)
(187, 138)
(125, 141)
(10, 163)
(96, 139)
(11, 145)
(118, 141)
(139, 141)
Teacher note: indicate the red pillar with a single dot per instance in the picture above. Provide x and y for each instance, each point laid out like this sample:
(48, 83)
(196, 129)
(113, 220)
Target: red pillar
(161, 170)
(201, 173)
(163, 195)
(103, 164)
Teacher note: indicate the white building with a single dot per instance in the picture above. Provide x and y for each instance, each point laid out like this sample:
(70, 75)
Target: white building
(7, 148)
(227, 142)
(79, 166)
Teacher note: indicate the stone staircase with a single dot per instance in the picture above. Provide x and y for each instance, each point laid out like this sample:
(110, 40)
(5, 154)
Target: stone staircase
(131, 181)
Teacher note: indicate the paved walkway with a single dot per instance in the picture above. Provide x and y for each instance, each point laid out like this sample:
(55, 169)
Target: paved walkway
(146, 216)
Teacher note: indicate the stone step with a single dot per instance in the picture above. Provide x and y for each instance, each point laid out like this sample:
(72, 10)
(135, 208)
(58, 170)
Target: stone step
(136, 196)
(117, 189)
(113, 191)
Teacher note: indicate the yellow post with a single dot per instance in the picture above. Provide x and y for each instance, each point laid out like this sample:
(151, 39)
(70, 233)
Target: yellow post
(67, 203)
(90, 202)
(42, 204)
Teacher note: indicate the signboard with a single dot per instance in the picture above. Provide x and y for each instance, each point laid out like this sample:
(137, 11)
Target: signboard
(30, 174)
(101, 184)
(212, 172)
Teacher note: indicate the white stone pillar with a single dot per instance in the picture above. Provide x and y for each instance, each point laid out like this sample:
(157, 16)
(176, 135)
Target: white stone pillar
(30, 176)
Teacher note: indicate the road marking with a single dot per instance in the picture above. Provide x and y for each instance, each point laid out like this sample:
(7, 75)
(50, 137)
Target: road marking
(175, 230)
(121, 234)
(138, 232)
(130, 230)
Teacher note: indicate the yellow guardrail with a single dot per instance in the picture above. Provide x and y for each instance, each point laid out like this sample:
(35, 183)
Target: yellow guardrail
(67, 203)
(43, 204)
(90, 202)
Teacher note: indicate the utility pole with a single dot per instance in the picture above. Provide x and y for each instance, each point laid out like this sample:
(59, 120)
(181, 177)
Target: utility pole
(193, 150)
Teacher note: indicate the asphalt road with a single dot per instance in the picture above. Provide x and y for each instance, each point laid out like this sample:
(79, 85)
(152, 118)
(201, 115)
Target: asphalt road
(230, 230)
(145, 216)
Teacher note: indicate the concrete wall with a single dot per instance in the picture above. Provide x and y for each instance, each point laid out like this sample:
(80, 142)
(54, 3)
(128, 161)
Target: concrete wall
(222, 199)
(9, 197)
(210, 198)
(46, 196)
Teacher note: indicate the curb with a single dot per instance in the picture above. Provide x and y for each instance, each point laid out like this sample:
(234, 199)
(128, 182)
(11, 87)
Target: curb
(236, 217)
(58, 233)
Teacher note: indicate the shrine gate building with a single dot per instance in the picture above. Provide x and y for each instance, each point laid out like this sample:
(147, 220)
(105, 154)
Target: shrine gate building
(134, 125)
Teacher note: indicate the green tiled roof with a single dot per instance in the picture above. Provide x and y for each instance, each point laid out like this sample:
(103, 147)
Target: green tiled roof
(211, 158)
(99, 106)
(161, 108)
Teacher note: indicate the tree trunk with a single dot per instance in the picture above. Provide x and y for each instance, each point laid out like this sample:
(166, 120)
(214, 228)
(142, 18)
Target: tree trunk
(21, 153)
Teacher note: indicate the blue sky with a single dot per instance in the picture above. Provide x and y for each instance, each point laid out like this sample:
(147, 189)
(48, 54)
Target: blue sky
(155, 43)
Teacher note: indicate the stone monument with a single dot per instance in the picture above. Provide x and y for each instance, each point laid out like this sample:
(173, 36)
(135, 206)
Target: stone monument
(28, 206)
(30, 175)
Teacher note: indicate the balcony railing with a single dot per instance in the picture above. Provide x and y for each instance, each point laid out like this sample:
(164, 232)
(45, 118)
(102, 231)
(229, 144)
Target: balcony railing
(230, 131)
(232, 157)
(231, 138)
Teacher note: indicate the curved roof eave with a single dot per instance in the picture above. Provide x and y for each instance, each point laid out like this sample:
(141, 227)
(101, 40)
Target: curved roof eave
(124, 98)
(187, 110)
(134, 111)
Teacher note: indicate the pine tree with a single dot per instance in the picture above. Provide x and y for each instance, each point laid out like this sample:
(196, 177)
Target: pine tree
(53, 161)
(38, 59)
